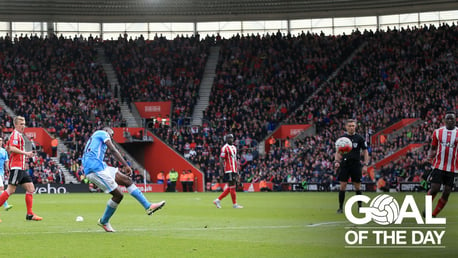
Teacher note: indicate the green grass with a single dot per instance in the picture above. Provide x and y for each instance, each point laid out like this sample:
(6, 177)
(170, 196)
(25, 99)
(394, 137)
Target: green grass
(270, 225)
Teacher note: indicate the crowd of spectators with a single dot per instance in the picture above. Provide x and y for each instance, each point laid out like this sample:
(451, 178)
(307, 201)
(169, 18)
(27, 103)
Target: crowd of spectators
(159, 70)
(399, 74)
(43, 170)
(261, 82)
(56, 83)
(407, 73)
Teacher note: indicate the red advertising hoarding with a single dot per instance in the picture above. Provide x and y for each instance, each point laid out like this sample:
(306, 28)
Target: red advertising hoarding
(285, 131)
(40, 137)
(154, 109)
(290, 131)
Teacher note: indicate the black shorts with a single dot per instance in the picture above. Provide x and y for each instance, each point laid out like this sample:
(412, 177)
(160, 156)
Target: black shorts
(442, 177)
(19, 177)
(230, 177)
(352, 170)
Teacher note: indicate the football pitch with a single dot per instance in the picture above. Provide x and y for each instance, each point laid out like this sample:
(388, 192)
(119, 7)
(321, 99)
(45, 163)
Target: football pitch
(301, 224)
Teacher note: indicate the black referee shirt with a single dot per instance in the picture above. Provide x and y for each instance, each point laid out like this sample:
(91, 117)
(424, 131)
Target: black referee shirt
(358, 144)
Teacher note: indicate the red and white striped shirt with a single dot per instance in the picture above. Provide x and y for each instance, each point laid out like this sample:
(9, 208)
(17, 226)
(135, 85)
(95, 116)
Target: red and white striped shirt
(229, 155)
(447, 149)
(17, 161)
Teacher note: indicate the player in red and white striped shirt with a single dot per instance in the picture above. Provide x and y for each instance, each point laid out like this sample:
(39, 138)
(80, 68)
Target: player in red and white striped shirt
(443, 157)
(228, 161)
(18, 173)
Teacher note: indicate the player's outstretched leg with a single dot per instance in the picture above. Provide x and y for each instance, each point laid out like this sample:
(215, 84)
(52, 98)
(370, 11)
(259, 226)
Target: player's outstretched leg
(138, 195)
(155, 207)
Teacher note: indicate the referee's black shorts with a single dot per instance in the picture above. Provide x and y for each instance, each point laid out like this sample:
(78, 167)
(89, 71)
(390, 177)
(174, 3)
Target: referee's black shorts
(350, 170)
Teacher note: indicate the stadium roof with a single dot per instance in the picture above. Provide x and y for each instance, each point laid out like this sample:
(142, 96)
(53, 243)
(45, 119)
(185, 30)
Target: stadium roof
(206, 10)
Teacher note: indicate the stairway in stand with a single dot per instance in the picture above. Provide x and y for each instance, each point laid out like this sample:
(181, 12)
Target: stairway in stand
(126, 112)
(68, 177)
(205, 86)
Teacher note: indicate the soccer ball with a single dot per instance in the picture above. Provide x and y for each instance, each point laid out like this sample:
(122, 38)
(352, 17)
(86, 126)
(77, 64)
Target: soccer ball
(343, 145)
(79, 219)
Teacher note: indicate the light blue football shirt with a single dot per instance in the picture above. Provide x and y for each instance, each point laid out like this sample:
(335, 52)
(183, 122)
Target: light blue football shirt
(3, 159)
(94, 152)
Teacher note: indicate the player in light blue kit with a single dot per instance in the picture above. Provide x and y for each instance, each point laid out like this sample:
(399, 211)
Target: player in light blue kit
(3, 168)
(108, 178)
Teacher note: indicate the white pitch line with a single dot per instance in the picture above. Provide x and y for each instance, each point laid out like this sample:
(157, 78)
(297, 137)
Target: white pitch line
(157, 229)
(205, 229)
(326, 223)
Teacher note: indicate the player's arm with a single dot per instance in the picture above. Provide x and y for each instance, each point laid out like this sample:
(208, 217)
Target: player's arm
(118, 156)
(222, 156)
(5, 166)
(432, 153)
(16, 150)
(433, 150)
(221, 162)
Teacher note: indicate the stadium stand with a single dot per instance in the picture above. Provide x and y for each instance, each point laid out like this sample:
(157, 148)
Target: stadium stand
(261, 82)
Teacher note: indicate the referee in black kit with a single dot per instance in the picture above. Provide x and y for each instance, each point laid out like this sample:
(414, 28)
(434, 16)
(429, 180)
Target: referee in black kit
(350, 163)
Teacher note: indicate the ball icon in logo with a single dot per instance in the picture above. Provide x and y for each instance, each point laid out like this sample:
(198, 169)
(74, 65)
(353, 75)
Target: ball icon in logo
(385, 209)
